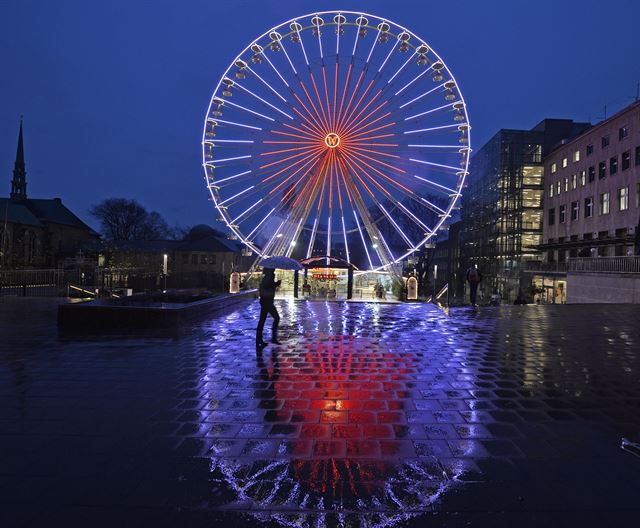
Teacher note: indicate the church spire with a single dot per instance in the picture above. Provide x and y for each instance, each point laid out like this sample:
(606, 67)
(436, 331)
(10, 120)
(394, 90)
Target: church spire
(19, 182)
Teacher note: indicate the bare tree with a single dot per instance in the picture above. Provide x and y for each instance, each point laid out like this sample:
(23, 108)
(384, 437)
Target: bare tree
(123, 219)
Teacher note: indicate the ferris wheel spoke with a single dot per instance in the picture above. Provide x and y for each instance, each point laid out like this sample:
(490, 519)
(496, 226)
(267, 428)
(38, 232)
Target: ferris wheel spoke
(264, 101)
(362, 128)
(397, 202)
(312, 119)
(379, 205)
(360, 156)
(322, 176)
(439, 165)
(432, 129)
(428, 92)
(449, 105)
(309, 164)
(248, 209)
(310, 127)
(245, 109)
(348, 112)
(320, 104)
(371, 151)
(379, 136)
(288, 134)
(317, 118)
(274, 152)
(401, 68)
(288, 158)
(267, 84)
(290, 166)
(235, 176)
(419, 76)
(326, 96)
(382, 249)
(438, 186)
(344, 229)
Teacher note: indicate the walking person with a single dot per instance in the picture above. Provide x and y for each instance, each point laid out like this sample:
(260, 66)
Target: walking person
(473, 277)
(268, 286)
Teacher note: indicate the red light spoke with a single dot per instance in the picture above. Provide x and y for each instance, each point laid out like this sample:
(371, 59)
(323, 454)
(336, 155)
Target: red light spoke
(289, 166)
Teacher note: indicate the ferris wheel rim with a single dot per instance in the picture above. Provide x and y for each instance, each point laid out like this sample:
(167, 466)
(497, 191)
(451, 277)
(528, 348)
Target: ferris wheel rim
(464, 169)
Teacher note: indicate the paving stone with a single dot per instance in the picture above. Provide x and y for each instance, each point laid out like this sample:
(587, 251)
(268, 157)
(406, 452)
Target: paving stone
(368, 415)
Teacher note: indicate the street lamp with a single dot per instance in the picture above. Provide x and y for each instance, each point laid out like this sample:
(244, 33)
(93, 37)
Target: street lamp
(165, 259)
(435, 274)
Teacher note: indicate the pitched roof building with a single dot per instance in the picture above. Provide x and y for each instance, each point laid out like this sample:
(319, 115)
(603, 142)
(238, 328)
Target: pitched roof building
(36, 233)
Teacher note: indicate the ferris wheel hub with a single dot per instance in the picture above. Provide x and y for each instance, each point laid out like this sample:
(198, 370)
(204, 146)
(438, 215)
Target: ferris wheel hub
(332, 140)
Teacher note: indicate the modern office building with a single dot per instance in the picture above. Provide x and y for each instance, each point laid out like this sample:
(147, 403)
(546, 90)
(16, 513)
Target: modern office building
(502, 205)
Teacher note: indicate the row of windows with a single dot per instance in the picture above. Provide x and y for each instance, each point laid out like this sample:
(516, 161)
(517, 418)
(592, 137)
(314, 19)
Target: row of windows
(623, 132)
(204, 258)
(622, 197)
(589, 175)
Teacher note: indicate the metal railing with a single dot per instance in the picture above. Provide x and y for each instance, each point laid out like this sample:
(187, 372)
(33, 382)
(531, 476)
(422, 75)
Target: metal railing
(32, 283)
(630, 264)
(552, 267)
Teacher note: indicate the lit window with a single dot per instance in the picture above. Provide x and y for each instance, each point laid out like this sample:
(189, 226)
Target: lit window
(626, 160)
(588, 207)
(551, 191)
(589, 150)
(565, 162)
(605, 141)
(562, 214)
(574, 181)
(623, 132)
(575, 210)
(576, 156)
(623, 198)
(566, 185)
(602, 170)
(604, 203)
(583, 178)
(613, 165)
(554, 168)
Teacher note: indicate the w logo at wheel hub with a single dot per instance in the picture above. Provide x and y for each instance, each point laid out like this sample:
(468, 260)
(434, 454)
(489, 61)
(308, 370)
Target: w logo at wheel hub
(332, 140)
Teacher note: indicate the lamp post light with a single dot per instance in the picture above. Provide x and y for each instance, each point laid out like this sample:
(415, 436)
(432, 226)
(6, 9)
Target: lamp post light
(435, 275)
(165, 259)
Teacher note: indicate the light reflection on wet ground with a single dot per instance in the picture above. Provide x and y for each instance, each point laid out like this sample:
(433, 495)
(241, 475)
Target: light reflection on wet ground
(367, 415)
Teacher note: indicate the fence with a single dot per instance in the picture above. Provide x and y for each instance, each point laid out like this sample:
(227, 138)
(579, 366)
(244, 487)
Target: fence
(94, 281)
(551, 267)
(629, 264)
(32, 283)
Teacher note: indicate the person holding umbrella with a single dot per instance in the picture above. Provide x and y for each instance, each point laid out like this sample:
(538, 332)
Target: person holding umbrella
(267, 290)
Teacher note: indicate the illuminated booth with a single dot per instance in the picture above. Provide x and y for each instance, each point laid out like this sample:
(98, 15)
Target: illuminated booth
(325, 278)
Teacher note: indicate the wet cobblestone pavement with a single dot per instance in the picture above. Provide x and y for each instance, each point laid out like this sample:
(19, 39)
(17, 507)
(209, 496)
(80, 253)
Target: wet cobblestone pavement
(367, 415)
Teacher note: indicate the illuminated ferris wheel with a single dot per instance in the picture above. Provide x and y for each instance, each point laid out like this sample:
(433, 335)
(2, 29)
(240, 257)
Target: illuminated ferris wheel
(336, 134)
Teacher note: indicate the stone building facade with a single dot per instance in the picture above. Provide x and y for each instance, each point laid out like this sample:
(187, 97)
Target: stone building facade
(592, 191)
(37, 233)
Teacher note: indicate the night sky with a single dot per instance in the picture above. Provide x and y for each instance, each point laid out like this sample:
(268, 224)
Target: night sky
(114, 93)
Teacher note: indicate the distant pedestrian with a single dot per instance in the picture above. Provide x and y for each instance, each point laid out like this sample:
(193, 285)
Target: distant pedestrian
(473, 277)
(268, 286)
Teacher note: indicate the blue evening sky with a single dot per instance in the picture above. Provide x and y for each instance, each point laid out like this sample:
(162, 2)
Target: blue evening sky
(114, 92)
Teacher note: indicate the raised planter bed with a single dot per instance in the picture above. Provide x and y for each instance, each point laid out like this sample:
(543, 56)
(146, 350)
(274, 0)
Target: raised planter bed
(134, 313)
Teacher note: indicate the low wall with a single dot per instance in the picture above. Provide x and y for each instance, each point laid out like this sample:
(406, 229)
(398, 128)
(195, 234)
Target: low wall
(603, 288)
(100, 314)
